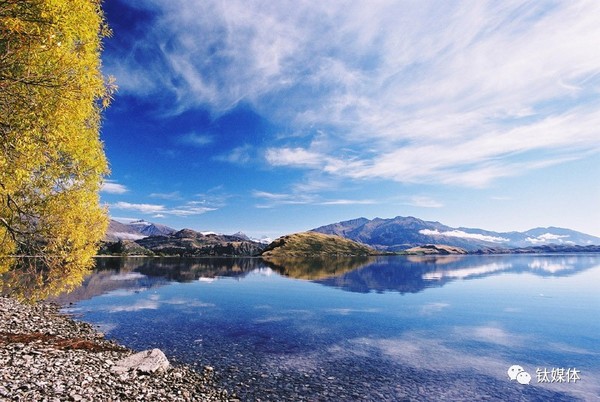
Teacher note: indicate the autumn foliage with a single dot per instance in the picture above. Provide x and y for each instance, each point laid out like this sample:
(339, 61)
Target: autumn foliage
(52, 162)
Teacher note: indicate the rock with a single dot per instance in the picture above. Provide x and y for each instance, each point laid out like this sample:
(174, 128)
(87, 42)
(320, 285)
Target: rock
(56, 373)
(148, 361)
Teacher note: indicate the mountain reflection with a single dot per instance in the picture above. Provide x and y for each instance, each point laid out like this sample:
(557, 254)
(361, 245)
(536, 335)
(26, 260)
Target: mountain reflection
(401, 274)
(318, 267)
(135, 274)
(415, 273)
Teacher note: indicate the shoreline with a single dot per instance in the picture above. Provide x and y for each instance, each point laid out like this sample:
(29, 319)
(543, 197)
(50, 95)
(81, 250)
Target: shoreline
(46, 355)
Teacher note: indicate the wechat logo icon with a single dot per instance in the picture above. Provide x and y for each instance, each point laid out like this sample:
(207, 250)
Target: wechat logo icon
(519, 374)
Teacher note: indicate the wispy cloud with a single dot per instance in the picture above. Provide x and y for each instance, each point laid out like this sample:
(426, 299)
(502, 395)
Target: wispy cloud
(547, 237)
(188, 209)
(195, 139)
(271, 200)
(238, 155)
(424, 202)
(112, 187)
(454, 92)
(215, 197)
(175, 195)
(347, 202)
(143, 208)
(297, 157)
(464, 235)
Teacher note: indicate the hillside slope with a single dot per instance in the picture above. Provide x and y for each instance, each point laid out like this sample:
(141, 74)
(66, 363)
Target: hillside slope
(311, 244)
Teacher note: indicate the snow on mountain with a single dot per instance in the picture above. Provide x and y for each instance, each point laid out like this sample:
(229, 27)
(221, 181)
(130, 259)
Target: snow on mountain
(401, 233)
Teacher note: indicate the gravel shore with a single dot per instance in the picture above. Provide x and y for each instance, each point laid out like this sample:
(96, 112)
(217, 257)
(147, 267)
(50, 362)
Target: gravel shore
(47, 356)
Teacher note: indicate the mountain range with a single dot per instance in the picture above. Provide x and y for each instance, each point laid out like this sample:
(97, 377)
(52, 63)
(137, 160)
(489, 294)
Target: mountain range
(135, 230)
(140, 229)
(189, 243)
(401, 233)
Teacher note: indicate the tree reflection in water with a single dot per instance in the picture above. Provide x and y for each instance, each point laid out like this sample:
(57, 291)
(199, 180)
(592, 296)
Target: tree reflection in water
(31, 279)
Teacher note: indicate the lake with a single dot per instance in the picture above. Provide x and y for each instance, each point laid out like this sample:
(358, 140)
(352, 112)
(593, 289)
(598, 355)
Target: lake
(384, 328)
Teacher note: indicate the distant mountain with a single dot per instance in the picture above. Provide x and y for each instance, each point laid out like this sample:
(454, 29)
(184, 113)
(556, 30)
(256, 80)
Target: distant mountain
(310, 244)
(241, 236)
(402, 233)
(120, 231)
(189, 243)
(244, 236)
(147, 238)
(134, 230)
(151, 229)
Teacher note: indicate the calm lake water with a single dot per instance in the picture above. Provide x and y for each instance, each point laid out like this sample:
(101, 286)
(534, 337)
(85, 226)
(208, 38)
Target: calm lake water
(388, 328)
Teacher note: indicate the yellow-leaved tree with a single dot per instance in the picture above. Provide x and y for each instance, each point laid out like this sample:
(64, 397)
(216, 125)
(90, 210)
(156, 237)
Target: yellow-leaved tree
(52, 161)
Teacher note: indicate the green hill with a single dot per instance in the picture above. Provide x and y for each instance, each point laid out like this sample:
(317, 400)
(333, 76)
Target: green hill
(313, 244)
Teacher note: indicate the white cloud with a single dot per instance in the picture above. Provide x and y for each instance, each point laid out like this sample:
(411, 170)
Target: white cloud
(546, 238)
(348, 202)
(112, 187)
(238, 155)
(308, 158)
(128, 236)
(143, 208)
(194, 139)
(213, 198)
(125, 220)
(424, 202)
(464, 235)
(459, 93)
(187, 209)
(175, 195)
(275, 199)
(293, 157)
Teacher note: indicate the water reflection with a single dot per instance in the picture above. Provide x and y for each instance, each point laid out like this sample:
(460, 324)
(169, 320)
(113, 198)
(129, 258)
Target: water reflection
(363, 275)
(414, 274)
(366, 329)
(317, 268)
(136, 274)
(31, 278)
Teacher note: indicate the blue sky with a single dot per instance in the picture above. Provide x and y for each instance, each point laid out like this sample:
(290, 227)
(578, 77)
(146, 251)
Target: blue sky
(272, 117)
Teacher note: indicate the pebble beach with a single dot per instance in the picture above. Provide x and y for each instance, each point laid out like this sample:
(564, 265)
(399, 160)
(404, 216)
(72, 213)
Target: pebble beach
(48, 356)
